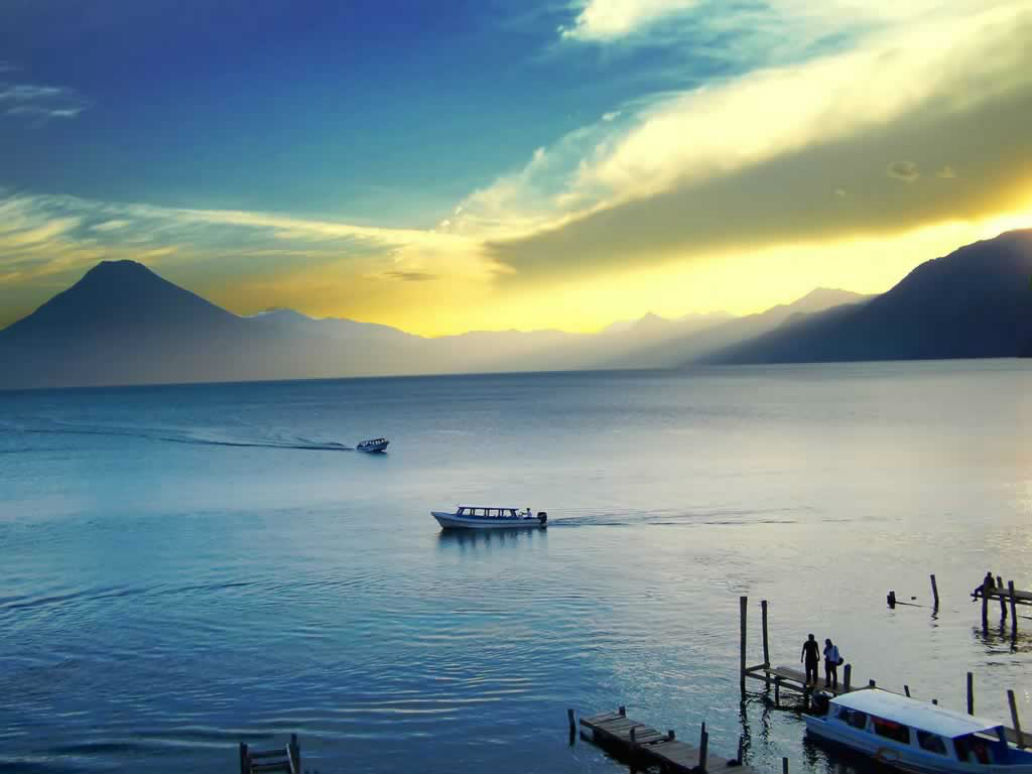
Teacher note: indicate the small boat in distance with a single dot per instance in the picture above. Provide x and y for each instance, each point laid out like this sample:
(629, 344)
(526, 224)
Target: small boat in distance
(913, 735)
(477, 517)
(373, 445)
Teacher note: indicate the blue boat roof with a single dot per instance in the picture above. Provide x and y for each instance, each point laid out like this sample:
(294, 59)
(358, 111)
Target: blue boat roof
(916, 714)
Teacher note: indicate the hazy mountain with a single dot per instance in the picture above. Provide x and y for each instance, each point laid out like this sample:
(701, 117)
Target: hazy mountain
(123, 324)
(693, 345)
(974, 302)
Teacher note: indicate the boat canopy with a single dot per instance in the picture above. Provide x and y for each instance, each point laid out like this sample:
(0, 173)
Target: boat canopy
(924, 716)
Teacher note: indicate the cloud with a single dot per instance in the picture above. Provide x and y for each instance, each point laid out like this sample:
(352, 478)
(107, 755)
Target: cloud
(646, 185)
(110, 225)
(906, 171)
(409, 276)
(605, 20)
(39, 101)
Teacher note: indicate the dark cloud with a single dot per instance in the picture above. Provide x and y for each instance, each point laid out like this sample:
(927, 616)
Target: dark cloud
(786, 199)
(410, 276)
(906, 171)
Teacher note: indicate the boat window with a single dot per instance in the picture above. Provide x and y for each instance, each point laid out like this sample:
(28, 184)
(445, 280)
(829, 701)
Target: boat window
(931, 742)
(891, 730)
(855, 718)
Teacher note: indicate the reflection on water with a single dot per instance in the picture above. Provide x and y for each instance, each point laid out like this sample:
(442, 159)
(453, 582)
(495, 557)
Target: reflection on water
(203, 566)
(486, 539)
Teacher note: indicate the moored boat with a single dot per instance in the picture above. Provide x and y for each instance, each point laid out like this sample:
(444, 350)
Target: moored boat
(479, 517)
(917, 736)
(373, 445)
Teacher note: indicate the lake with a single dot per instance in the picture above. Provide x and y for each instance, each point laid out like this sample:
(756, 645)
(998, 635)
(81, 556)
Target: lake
(187, 567)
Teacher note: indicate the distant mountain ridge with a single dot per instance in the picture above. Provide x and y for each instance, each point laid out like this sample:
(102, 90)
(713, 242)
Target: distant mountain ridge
(123, 324)
(975, 302)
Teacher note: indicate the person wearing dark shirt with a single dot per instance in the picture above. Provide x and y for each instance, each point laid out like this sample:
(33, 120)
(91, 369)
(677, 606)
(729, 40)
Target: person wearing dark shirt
(811, 656)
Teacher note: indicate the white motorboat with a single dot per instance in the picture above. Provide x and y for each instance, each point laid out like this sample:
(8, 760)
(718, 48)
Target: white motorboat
(917, 736)
(478, 517)
(373, 445)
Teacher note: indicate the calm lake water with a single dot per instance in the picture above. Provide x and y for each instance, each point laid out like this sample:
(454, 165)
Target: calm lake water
(188, 567)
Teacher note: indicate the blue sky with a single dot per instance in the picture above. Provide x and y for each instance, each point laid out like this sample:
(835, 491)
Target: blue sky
(386, 112)
(531, 164)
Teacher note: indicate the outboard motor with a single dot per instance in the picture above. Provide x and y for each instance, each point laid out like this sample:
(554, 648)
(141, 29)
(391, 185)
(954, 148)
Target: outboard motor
(543, 518)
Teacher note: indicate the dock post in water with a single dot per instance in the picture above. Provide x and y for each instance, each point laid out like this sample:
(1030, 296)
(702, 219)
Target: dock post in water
(847, 673)
(970, 693)
(935, 595)
(1014, 610)
(784, 765)
(743, 604)
(703, 747)
(766, 646)
(295, 752)
(985, 606)
(1003, 602)
(1014, 717)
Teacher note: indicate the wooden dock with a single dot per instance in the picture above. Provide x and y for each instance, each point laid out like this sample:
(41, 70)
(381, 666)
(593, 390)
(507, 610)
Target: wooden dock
(794, 679)
(640, 743)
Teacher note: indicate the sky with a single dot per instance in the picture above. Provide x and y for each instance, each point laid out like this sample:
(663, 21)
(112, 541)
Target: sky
(507, 164)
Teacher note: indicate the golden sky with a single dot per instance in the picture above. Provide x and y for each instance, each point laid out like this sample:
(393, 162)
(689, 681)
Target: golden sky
(896, 133)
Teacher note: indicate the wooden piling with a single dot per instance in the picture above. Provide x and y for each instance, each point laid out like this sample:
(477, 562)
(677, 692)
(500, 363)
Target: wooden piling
(784, 766)
(741, 749)
(622, 711)
(935, 595)
(1003, 602)
(766, 646)
(906, 690)
(1014, 610)
(743, 604)
(847, 673)
(573, 722)
(1014, 717)
(871, 684)
(244, 763)
(295, 752)
(970, 694)
(985, 606)
(703, 748)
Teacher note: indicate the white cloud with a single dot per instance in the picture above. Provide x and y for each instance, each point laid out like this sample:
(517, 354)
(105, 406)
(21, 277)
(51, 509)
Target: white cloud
(39, 101)
(933, 64)
(603, 20)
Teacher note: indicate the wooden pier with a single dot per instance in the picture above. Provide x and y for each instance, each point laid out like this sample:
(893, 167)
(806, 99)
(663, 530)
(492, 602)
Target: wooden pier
(285, 759)
(794, 679)
(643, 744)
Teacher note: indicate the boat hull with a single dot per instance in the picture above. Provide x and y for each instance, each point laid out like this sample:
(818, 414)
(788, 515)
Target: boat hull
(905, 757)
(452, 521)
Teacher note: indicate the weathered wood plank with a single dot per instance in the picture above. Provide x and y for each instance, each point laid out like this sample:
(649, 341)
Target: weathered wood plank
(652, 746)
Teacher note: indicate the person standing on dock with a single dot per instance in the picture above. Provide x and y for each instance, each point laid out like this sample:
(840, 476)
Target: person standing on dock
(811, 655)
(831, 662)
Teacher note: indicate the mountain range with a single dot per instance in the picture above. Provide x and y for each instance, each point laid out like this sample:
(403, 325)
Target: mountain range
(123, 324)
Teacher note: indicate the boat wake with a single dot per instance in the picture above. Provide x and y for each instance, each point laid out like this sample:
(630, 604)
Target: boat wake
(179, 435)
(670, 517)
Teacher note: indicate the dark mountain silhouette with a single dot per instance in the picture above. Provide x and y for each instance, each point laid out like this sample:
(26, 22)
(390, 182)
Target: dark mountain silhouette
(973, 303)
(123, 324)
